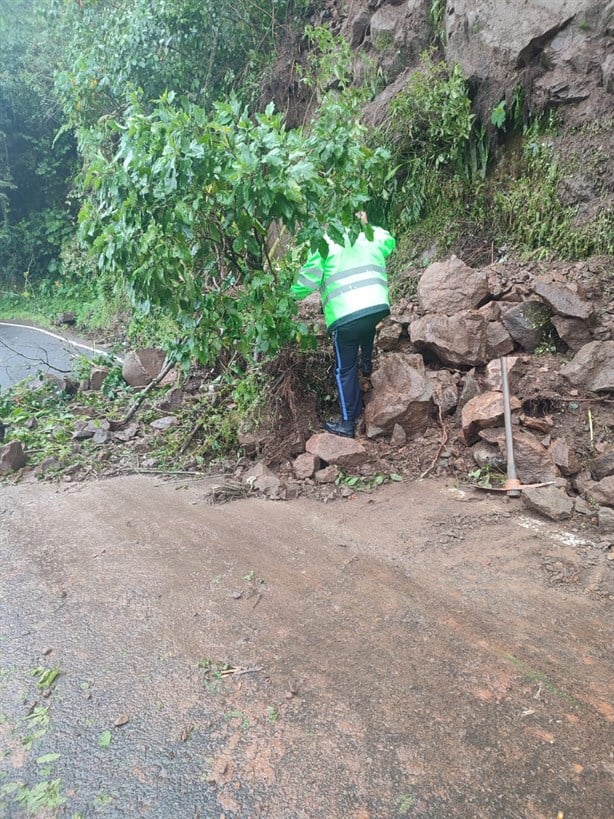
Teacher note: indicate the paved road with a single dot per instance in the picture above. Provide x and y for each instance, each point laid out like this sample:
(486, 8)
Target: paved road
(26, 351)
(422, 652)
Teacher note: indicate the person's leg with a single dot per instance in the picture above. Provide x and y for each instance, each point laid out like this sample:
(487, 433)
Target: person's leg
(366, 350)
(345, 343)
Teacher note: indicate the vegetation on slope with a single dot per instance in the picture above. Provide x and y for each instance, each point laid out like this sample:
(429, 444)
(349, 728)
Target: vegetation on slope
(137, 166)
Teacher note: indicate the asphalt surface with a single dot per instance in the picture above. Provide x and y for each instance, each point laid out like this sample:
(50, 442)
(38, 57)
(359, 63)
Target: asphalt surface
(26, 352)
(422, 651)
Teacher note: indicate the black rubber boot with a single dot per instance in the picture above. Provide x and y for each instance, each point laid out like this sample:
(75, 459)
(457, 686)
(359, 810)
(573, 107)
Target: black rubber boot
(343, 428)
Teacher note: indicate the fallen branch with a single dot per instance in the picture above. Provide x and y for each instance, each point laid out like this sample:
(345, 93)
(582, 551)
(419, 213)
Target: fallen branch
(444, 441)
(115, 425)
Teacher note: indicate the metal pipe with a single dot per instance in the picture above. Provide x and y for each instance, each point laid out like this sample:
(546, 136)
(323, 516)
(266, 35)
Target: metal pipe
(512, 485)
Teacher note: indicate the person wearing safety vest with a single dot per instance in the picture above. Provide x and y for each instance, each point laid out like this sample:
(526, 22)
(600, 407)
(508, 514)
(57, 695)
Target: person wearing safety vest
(353, 288)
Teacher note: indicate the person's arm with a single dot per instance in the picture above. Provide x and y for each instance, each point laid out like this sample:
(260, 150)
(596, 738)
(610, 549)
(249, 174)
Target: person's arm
(385, 241)
(309, 277)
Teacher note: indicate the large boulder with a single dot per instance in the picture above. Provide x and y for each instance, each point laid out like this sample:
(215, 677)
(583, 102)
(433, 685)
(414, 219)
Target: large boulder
(573, 331)
(451, 286)
(562, 298)
(526, 323)
(592, 367)
(459, 340)
(402, 394)
(140, 367)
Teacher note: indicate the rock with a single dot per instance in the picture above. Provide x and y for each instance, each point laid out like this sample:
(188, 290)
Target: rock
(458, 340)
(607, 72)
(359, 25)
(564, 457)
(261, 479)
(493, 372)
(485, 410)
(603, 491)
(389, 336)
(173, 399)
(402, 394)
(533, 461)
(487, 454)
(305, 465)
(562, 299)
(605, 520)
(603, 465)
(162, 424)
(50, 464)
(97, 378)
(398, 437)
(142, 366)
(583, 508)
(574, 332)
(550, 501)
(66, 317)
(333, 449)
(126, 434)
(450, 287)
(12, 457)
(526, 323)
(498, 340)
(83, 430)
(327, 475)
(445, 390)
(255, 472)
(592, 367)
(471, 389)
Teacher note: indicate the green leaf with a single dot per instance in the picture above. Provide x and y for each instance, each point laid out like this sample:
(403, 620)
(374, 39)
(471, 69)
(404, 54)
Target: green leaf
(104, 740)
(46, 758)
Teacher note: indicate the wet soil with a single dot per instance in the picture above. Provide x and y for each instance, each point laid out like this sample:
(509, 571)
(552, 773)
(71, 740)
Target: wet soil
(424, 650)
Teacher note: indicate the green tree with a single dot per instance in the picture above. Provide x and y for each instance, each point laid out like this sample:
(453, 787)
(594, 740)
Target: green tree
(185, 206)
(35, 168)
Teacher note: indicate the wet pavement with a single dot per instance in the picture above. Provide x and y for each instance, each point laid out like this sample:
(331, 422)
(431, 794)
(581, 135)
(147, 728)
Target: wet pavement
(27, 351)
(397, 655)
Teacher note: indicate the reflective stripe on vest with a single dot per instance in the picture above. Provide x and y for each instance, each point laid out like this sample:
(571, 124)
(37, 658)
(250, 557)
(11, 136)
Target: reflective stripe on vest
(379, 281)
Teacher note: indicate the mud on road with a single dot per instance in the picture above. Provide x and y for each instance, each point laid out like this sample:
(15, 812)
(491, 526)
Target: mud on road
(423, 651)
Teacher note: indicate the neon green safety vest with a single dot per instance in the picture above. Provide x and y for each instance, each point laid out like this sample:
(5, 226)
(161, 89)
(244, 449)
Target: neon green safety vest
(352, 279)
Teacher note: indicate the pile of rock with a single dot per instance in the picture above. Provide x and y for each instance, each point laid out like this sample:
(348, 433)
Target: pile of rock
(440, 361)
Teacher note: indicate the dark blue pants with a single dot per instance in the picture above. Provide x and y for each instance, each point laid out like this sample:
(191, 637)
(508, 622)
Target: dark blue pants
(348, 340)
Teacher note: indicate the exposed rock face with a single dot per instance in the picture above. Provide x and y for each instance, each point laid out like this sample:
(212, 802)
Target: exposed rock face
(402, 394)
(559, 43)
